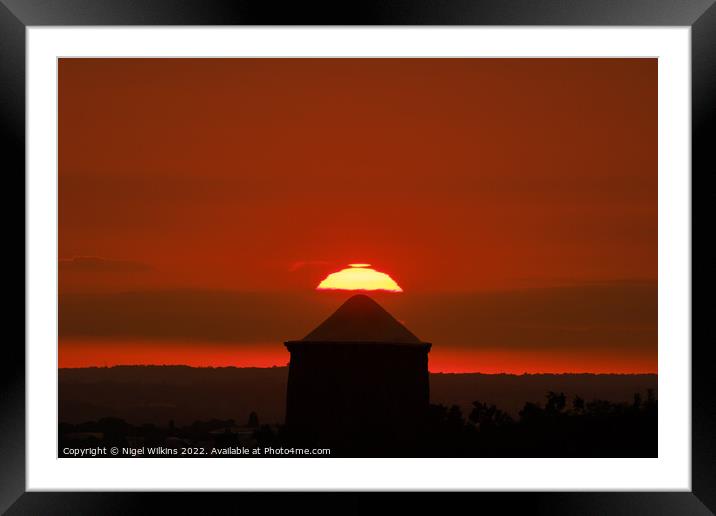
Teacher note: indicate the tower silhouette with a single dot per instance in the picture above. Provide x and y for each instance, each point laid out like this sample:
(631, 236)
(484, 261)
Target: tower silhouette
(360, 379)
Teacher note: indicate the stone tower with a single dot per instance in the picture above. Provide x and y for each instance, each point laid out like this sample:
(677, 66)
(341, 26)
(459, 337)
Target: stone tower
(358, 379)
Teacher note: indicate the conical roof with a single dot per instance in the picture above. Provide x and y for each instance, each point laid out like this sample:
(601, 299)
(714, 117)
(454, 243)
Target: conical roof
(360, 319)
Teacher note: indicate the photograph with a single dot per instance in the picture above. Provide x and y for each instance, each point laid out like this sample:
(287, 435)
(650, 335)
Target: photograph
(270, 257)
(355, 250)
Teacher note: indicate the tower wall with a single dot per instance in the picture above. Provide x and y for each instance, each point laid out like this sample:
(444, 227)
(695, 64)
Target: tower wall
(357, 394)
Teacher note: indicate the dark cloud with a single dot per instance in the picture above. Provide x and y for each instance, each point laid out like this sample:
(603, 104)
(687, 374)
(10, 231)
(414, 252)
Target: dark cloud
(595, 317)
(97, 264)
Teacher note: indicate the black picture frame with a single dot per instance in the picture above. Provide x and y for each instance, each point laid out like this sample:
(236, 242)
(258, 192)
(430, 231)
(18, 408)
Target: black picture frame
(17, 15)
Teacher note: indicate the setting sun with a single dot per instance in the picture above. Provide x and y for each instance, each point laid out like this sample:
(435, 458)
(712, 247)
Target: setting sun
(359, 276)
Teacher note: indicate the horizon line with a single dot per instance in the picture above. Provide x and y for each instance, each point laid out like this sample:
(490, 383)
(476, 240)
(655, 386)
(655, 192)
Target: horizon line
(430, 372)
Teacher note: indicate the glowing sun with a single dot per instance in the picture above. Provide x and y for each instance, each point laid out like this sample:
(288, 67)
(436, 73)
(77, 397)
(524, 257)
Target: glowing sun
(359, 276)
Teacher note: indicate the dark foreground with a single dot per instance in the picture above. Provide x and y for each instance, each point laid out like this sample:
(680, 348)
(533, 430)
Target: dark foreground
(157, 394)
(556, 427)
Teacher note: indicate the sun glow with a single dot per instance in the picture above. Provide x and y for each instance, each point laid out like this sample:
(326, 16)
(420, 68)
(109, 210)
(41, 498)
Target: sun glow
(359, 276)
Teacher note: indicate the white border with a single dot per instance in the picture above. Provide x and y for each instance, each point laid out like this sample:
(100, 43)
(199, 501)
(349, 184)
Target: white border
(670, 471)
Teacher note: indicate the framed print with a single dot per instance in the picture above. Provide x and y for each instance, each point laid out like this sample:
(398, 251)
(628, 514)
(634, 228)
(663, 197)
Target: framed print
(410, 248)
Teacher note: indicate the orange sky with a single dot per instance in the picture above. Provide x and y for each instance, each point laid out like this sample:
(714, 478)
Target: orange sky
(522, 189)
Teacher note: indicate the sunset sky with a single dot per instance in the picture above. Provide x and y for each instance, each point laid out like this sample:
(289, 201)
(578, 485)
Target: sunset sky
(201, 201)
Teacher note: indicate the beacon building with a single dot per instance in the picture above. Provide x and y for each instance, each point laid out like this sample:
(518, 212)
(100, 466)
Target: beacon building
(359, 379)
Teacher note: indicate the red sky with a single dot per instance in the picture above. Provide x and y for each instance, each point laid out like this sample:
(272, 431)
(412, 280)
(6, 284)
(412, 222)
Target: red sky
(514, 201)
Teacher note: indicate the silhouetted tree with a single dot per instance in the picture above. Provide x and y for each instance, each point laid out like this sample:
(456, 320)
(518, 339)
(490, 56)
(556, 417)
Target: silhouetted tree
(599, 408)
(578, 404)
(555, 402)
(531, 412)
(253, 420)
(454, 418)
(488, 416)
(637, 401)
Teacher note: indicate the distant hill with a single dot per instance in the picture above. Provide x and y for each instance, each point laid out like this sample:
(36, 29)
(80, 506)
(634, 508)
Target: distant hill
(510, 392)
(157, 394)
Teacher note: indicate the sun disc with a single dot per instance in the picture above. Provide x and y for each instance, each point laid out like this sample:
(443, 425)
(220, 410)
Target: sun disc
(359, 276)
